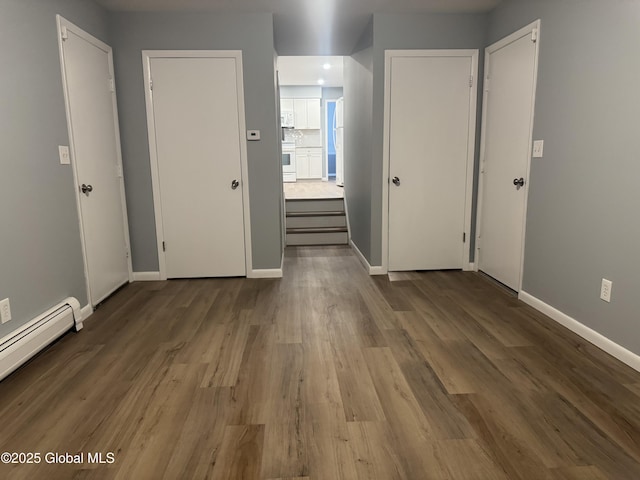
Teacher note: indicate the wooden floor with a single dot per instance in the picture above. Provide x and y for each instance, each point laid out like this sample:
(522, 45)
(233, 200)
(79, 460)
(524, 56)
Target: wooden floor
(325, 374)
(312, 189)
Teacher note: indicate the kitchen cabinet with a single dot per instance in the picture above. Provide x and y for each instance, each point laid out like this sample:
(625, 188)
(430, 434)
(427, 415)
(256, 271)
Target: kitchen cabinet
(307, 113)
(286, 105)
(308, 163)
(313, 114)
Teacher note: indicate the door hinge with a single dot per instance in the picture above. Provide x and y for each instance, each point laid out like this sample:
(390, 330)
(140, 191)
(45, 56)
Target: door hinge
(534, 35)
(64, 34)
(470, 80)
(151, 84)
(112, 85)
(127, 253)
(164, 248)
(486, 84)
(119, 170)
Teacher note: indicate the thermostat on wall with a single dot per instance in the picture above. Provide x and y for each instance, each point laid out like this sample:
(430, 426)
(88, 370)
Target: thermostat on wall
(253, 134)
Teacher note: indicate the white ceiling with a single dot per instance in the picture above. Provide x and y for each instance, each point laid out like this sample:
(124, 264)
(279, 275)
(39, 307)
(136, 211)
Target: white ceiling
(308, 70)
(309, 27)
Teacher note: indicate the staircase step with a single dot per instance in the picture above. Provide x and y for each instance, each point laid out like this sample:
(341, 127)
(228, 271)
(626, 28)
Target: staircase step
(316, 214)
(316, 221)
(301, 205)
(316, 230)
(324, 238)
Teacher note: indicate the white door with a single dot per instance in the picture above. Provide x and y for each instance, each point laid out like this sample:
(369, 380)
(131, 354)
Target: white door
(196, 132)
(431, 113)
(95, 145)
(510, 73)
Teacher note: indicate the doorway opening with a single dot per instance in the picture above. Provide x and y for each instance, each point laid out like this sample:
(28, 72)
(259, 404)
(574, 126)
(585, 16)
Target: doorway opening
(311, 120)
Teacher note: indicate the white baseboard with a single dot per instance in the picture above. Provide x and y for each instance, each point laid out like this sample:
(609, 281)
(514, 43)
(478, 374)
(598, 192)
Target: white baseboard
(146, 276)
(85, 312)
(265, 273)
(268, 272)
(470, 267)
(585, 332)
(375, 270)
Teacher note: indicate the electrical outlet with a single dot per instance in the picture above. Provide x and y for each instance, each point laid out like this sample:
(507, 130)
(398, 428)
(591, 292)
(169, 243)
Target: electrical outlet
(63, 152)
(605, 290)
(5, 310)
(538, 147)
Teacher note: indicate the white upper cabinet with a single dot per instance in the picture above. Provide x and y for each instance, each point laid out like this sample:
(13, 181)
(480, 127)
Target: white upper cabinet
(286, 105)
(306, 112)
(300, 112)
(313, 113)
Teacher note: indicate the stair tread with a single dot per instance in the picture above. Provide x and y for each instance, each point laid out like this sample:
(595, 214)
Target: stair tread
(320, 199)
(332, 213)
(317, 230)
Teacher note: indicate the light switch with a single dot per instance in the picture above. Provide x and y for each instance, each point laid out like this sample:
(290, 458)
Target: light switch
(63, 151)
(253, 135)
(538, 145)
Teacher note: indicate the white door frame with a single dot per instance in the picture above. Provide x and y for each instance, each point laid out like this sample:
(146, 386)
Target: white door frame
(328, 130)
(531, 29)
(64, 26)
(147, 55)
(388, 55)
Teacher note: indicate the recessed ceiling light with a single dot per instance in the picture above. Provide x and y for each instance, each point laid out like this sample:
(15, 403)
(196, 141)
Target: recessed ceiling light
(326, 66)
(321, 81)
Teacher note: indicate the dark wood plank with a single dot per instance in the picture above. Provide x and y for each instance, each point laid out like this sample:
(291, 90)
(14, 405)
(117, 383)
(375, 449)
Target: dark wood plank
(325, 373)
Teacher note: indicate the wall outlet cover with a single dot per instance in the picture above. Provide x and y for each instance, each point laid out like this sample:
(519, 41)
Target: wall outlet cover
(605, 290)
(5, 310)
(63, 152)
(538, 146)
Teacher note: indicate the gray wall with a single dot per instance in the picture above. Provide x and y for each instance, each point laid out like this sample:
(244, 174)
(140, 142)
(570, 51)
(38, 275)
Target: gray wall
(397, 31)
(582, 221)
(130, 33)
(358, 129)
(40, 250)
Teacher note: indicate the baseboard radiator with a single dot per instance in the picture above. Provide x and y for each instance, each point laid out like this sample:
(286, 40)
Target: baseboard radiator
(19, 346)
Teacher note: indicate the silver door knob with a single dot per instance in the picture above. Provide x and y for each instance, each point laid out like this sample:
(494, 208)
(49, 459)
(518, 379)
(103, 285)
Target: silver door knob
(518, 182)
(86, 189)
(234, 184)
(396, 181)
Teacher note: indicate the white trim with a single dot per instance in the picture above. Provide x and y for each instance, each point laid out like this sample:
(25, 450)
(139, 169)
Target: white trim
(63, 25)
(153, 153)
(360, 256)
(375, 270)
(146, 276)
(527, 30)
(265, 273)
(268, 272)
(471, 142)
(346, 212)
(585, 332)
(85, 312)
(21, 344)
(325, 134)
(471, 267)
